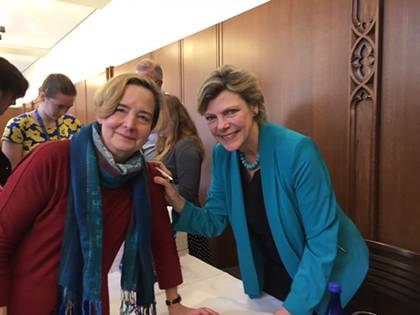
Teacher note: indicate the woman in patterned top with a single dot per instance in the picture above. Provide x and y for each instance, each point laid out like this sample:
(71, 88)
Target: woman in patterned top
(47, 122)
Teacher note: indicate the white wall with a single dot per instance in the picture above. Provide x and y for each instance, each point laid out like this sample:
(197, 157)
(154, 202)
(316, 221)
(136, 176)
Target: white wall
(126, 29)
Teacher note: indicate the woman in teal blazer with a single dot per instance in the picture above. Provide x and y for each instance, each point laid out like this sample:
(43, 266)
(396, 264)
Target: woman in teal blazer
(272, 185)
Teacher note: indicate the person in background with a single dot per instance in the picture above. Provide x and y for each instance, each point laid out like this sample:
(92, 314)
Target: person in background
(13, 85)
(153, 70)
(180, 148)
(272, 185)
(48, 121)
(68, 207)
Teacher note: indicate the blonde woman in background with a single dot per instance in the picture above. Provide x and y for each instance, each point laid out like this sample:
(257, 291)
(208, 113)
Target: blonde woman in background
(181, 150)
(49, 121)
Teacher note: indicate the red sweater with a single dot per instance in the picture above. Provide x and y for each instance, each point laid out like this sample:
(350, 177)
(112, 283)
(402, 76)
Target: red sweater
(32, 214)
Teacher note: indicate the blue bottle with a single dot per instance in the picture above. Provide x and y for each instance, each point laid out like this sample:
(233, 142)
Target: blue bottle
(334, 305)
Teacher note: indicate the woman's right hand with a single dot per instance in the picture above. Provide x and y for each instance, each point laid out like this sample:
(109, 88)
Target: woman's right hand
(171, 194)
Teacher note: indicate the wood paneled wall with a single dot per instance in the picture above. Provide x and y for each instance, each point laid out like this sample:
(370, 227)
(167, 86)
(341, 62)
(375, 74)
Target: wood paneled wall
(345, 72)
(399, 144)
(313, 61)
(305, 54)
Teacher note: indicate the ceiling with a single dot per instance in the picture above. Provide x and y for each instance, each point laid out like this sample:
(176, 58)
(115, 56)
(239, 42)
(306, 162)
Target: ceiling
(33, 27)
(82, 37)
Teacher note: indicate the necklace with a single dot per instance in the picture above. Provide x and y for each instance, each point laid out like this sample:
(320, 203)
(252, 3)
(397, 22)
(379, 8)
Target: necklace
(44, 129)
(249, 166)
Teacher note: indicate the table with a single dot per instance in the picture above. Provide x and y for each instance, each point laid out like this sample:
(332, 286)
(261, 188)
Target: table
(204, 285)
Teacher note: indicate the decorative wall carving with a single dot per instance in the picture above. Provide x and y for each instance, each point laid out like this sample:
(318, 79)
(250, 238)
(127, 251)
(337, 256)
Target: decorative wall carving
(364, 113)
(363, 60)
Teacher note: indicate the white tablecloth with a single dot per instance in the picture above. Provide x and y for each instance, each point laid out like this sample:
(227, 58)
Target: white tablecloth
(204, 285)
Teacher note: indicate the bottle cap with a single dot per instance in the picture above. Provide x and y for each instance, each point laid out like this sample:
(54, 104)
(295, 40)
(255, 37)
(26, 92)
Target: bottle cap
(334, 287)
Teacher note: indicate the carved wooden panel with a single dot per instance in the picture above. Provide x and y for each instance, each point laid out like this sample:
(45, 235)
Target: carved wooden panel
(364, 113)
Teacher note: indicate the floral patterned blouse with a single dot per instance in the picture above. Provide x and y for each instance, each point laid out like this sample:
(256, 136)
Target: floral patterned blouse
(25, 130)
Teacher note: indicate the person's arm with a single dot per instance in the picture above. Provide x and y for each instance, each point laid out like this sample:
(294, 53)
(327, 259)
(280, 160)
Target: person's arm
(12, 140)
(318, 211)
(165, 255)
(13, 151)
(212, 218)
(25, 195)
(188, 169)
(3, 310)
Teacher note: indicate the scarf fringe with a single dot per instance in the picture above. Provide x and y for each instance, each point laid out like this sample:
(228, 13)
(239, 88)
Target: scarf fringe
(68, 305)
(129, 305)
(91, 307)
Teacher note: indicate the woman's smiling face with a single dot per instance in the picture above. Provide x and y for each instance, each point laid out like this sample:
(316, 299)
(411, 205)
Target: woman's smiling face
(126, 130)
(231, 120)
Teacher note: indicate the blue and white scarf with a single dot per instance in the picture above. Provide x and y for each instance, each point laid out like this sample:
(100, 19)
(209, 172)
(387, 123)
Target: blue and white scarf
(81, 256)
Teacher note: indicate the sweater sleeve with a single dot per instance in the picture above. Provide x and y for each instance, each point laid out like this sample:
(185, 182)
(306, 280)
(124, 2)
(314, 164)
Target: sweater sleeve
(165, 255)
(318, 211)
(28, 191)
(188, 169)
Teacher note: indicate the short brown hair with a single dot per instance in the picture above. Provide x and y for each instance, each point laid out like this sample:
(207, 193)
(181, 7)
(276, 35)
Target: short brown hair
(235, 80)
(110, 94)
(57, 83)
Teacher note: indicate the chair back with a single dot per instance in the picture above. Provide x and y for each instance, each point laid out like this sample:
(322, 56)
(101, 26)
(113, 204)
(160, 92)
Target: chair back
(395, 272)
(392, 285)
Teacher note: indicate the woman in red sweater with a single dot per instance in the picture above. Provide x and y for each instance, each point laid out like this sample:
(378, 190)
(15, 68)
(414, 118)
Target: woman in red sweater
(69, 206)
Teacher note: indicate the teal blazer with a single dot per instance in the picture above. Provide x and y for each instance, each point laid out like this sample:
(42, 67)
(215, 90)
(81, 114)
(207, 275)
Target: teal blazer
(316, 241)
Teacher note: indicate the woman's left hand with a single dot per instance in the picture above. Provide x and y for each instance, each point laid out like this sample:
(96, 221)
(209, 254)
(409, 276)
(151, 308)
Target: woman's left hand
(282, 311)
(179, 309)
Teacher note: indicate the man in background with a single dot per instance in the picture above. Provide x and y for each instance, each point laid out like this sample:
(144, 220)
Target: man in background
(153, 70)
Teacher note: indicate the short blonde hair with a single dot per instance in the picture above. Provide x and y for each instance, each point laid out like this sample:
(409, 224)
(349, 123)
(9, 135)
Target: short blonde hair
(110, 94)
(235, 80)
